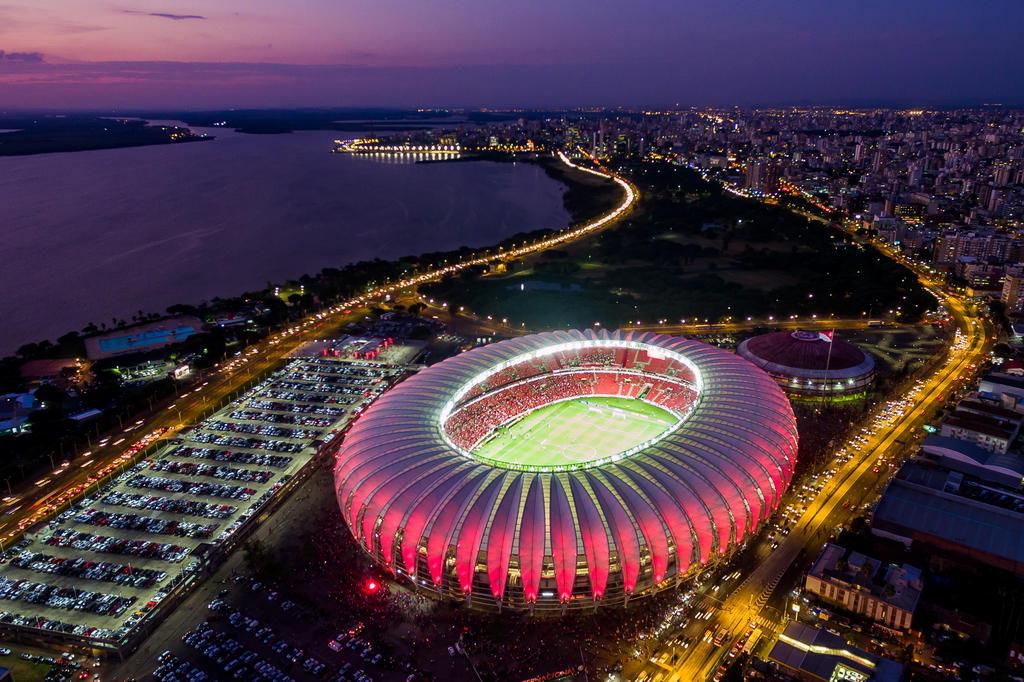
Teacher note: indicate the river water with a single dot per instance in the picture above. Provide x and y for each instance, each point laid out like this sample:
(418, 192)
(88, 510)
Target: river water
(88, 236)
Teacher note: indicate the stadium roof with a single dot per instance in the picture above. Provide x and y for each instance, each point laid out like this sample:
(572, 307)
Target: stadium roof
(817, 654)
(996, 383)
(934, 503)
(1004, 468)
(806, 354)
(405, 490)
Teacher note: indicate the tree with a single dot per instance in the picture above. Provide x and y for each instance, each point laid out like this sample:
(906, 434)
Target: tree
(1002, 350)
(34, 350)
(260, 560)
(50, 394)
(182, 309)
(68, 339)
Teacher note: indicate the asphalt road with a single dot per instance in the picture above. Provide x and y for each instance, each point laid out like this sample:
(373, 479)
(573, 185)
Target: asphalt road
(33, 503)
(36, 503)
(837, 502)
(301, 505)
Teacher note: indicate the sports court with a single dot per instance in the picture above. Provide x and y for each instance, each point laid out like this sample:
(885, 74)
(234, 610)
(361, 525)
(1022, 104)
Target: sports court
(576, 431)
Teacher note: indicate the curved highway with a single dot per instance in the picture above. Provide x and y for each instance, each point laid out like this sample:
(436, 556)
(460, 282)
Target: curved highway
(36, 502)
(838, 501)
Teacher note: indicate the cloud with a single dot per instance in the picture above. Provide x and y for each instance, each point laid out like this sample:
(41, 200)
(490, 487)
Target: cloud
(18, 20)
(22, 57)
(163, 15)
(194, 85)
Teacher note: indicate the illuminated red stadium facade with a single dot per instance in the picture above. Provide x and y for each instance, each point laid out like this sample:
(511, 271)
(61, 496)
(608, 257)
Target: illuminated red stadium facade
(808, 365)
(565, 534)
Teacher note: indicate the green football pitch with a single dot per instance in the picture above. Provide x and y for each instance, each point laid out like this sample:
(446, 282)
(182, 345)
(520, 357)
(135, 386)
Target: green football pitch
(575, 432)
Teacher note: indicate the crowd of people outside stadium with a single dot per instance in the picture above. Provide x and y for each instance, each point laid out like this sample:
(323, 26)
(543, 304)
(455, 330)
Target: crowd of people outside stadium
(334, 574)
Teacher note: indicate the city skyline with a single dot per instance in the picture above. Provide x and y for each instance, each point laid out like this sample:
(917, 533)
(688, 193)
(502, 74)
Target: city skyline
(385, 341)
(88, 55)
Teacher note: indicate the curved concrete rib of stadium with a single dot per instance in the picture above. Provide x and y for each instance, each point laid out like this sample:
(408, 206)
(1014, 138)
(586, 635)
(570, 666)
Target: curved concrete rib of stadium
(453, 404)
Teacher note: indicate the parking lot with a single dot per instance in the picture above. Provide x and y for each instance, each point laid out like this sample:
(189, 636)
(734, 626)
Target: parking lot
(247, 631)
(251, 632)
(100, 569)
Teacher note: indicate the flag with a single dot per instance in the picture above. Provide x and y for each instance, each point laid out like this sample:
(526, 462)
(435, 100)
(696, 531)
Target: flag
(827, 336)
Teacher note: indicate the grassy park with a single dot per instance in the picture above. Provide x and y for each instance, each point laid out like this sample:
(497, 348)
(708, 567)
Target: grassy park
(692, 251)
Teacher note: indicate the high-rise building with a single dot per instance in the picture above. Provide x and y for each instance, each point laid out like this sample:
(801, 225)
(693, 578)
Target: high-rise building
(986, 245)
(1013, 288)
(995, 201)
(915, 175)
(945, 250)
(909, 212)
(1002, 175)
(762, 175)
(876, 161)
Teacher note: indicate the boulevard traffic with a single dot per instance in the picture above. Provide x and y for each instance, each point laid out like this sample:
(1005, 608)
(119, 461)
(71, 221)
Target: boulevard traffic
(698, 647)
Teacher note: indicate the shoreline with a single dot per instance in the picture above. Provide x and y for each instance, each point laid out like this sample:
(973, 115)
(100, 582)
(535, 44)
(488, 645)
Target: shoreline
(576, 213)
(33, 136)
(278, 344)
(575, 205)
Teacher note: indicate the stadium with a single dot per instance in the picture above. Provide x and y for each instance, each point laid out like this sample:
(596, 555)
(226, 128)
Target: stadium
(812, 365)
(566, 469)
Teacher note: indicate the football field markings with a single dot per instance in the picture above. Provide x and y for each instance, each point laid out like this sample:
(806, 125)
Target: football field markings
(578, 430)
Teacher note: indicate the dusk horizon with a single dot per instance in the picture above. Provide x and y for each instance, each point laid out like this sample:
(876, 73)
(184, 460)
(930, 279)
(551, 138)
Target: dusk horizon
(520, 341)
(89, 55)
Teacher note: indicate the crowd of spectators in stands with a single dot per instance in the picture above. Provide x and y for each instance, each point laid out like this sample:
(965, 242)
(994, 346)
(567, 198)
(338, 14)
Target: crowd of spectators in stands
(474, 421)
(513, 395)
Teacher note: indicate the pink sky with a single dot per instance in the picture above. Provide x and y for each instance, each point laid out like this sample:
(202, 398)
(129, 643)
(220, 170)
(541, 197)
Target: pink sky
(378, 32)
(223, 53)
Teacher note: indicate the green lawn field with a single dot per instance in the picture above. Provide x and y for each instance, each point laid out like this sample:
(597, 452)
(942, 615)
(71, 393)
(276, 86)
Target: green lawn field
(575, 432)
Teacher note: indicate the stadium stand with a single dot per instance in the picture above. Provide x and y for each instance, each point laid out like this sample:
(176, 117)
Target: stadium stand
(510, 399)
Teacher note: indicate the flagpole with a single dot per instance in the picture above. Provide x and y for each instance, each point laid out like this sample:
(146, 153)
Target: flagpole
(828, 358)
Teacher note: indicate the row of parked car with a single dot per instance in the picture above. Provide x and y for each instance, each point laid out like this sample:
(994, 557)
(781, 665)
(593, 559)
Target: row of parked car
(296, 408)
(257, 458)
(77, 567)
(359, 645)
(209, 438)
(67, 598)
(267, 635)
(105, 544)
(303, 397)
(196, 488)
(145, 524)
(169, 504)
(332, 367)
(232, 657)
(175, 669)
(268, 430)
(171, 466)
(324, 386)
(54, 625)
(336, 371)
(275, 418)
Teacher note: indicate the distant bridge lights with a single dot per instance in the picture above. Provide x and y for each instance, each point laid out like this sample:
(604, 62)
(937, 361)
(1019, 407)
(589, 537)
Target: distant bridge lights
(374, 146)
